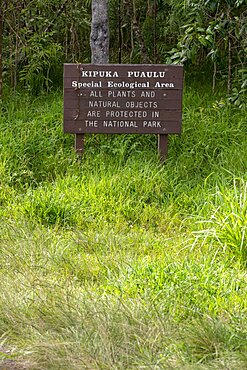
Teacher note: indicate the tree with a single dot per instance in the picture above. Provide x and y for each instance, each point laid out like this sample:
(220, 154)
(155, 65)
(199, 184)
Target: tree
(99, 39)
(39, 36)
(99, 42)
(213, 31)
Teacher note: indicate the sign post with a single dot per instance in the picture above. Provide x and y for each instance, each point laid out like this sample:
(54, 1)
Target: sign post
(123, 99)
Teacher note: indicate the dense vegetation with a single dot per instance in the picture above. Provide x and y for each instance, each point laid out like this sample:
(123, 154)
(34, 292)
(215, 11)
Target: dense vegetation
(115, 261)
(36, 37)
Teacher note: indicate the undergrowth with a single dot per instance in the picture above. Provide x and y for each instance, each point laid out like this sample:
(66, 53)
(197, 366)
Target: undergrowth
(114, 261)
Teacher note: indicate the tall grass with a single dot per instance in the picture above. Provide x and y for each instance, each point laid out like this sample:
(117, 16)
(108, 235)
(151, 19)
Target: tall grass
(114, 261)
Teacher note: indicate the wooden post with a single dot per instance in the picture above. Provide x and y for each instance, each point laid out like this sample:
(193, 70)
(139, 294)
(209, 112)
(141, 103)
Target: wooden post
(163, 147)
(79, 143)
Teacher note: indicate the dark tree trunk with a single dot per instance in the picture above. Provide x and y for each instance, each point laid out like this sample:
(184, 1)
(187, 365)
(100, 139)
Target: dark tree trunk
(99, 39)
(229, 79)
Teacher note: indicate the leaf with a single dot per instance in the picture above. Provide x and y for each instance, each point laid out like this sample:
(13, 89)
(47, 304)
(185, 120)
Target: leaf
(209, 38)
(203, 41)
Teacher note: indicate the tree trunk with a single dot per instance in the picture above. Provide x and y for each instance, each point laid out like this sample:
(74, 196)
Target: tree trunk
(99, 42)
(99, 39)
(229, 79)
(120, 38)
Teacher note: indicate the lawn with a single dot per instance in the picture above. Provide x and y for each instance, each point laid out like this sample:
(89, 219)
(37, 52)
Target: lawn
(113, 260)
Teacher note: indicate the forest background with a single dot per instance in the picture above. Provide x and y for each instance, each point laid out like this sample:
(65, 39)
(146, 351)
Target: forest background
(116, 261)
(36, 37)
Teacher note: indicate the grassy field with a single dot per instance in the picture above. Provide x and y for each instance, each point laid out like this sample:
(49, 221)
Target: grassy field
(116, 261)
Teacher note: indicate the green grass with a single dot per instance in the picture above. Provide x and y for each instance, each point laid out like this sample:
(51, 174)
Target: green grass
(115, 261)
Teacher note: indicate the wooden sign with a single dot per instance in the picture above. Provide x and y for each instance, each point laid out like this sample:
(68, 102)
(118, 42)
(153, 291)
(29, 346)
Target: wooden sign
(122, 98)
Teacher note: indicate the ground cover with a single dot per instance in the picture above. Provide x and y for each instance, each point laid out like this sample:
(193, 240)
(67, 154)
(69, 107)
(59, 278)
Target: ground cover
(116, 261)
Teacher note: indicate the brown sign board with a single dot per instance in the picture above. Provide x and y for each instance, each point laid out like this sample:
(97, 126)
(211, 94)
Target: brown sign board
(123, 98)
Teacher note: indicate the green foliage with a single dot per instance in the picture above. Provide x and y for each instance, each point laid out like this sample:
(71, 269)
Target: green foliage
(40, 36)
(24, 159)
(228, 224)
(210, 338)
(239, 91)
(216, 31)
(114, 261)
(42, 63)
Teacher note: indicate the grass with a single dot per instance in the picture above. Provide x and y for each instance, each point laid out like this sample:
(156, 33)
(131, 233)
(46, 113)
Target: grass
(116, 261)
